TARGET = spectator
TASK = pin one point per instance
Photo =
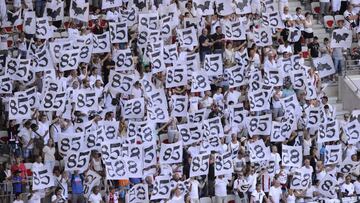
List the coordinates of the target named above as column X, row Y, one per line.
column 314, row 48
column 204, row 44
column 218, row 39
column 275, row 194
column 258, row 195
column 95, row 196
column 77, row 187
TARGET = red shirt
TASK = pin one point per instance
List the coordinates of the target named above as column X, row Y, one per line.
column 21, row 167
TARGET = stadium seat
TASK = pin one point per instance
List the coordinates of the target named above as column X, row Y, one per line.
column 3, row 136
column 230, row 199
column 329, row 22
column 205, row 200
column 315, row 8
column 338, row 18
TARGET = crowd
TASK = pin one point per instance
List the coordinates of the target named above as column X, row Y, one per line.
column 174, row 101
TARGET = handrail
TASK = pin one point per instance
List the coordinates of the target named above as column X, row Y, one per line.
column 350, row 65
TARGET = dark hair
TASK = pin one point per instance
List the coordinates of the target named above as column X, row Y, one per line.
column 298, row 8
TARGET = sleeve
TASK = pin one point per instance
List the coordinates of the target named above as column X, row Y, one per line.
column 53, row 198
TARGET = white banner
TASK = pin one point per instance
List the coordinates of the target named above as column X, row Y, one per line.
column 292, row 156
column 341, row 38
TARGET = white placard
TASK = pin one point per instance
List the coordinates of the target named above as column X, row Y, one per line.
column 101, row 43
column 341, row 38
column 139, row 193
column 171, row 153
column 324, row 65
column 200, row 82
column 333, row 154
column 79, row 10
column 259, row 125
column 77, row 160
column 42, row 177
column 224, row 164
column 199, row 165
column 179, row 105
column 176, row 76
column 258, row 151
column 292, row 156
column 118, row 32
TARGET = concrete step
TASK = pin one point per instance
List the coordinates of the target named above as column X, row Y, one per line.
column 331, row 89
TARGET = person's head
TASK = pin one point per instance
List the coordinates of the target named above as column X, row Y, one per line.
column 326, row 41
column 229, row 45
column 96, row 190
column 177, row 192
column 208, row 93
column 38, row 159
column 308, row 15
column 94, row 71
column 298, row 10
column 18, row 160
column 205, row 31
column 350, row 7
column 50, row 142
column 307, row 162
column 58, row 191
column 43, row 118
column 286, row 9
column 258, row 187
column 98, row 83
column 86, row 83
column 218, row 30
column 315, row 39
column 348, row 179
column 274, row 149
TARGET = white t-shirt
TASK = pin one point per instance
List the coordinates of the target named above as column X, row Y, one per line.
column 95, row 198
column 18, row 201
column 349, row 188
column 26, row 136
column 258, row 196
column 194, row 193
column 275, row 193
column 357, row 187
column 49, row 153
column 220, row 187
column 233, row 96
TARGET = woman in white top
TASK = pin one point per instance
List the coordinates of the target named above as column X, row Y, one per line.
column 308, row 31
column 229, row 53
column 258, row 195
column 96, row 163
column 49, row 153
column 290, row 196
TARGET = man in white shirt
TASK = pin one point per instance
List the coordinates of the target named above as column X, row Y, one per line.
column 194, row 190
column 220, row 189
column 350, row 17
column 95, row 196
column 299, row 19
column 347, row 189
column 275, row 194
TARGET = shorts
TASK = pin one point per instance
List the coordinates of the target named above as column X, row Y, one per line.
column 308, row 35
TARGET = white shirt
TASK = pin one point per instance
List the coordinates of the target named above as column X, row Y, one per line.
column 194, row 193
column 49, row 153
column 283, row 49
column 348, row 22
column 275, row 193
column 258, row 196
column 220, row 187
column 26, row 136
column 95, row 198
column 233, row 96
column 349, row 188
column 357, row 187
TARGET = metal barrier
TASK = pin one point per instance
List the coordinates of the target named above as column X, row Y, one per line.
column 352, row 67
